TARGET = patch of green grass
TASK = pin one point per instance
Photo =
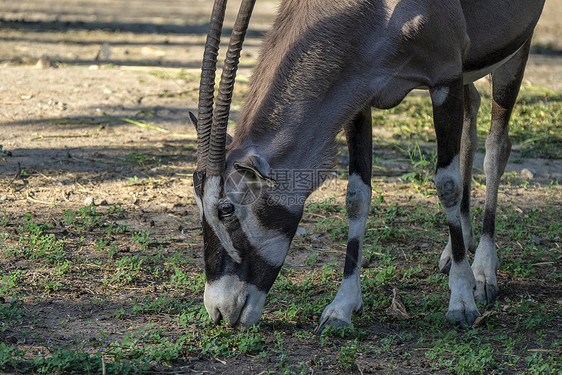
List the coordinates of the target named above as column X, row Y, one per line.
column 160, row 323
column 10, row 281
column 530, row 315
column 34, row 242
column 182, row 74
column 424, row 167
column 128, row 270
column 143, row 239
column 534, row 124
column 344, row 332
column 335, row 225
column 463, row 354
column 10, row 313
column 185, row 280
column 141, row 159
column 347, row 357
column 539, row 364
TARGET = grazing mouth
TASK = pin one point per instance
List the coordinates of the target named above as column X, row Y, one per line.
column 235, row 301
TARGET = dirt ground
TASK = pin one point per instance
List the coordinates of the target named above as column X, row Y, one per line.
column 71, row 69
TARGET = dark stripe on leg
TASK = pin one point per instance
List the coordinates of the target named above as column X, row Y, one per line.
column 489, row 223
column 351, row 261
column 457, row 243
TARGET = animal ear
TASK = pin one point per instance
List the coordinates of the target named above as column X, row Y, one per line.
column 256, row 169
column 193, row 119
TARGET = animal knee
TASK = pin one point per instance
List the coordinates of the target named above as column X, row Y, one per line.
column 497, row 154
column 449, row 184
column 358, row 197
column 356, row 203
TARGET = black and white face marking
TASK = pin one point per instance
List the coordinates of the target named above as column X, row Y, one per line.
column 245, row 246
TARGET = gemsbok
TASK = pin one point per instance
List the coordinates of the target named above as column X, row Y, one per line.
column 322, row 67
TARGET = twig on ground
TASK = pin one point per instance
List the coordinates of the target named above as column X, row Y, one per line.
column 142, row 124
column 38, row 201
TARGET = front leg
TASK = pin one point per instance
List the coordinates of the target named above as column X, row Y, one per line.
column 448, row 118
column 468, row 146
column 358, row 202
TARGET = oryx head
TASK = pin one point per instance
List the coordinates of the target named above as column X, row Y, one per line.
column 246, row 234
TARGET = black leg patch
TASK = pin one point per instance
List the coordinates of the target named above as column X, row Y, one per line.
column 457, row 243
column 351, row 257
column 489, row 223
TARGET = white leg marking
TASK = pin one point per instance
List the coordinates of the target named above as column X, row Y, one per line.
column 438, row 96
column 450, row 196
column 348, row 299
column 446, row 258
column 449, row 187
column 234, row 300
column 485, row 266
column 358, row 203
column 462, row 308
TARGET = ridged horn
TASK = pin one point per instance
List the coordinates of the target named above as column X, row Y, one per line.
column 207, row 84
column 216, row 163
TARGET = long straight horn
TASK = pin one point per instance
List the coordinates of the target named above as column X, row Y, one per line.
column 217, row 149
column 207, row 85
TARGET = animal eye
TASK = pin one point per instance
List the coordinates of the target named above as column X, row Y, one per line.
column 225, row 209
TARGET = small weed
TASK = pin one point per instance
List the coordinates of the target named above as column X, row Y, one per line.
column 140, row 159
column 4, row 220
column 128, row 269
column 538, row 365
column 344, row 332
column 195, row 284
column 143, row 239
column 112, row 251
column 10, row 312
column 10, row 282
column 101, row 244
column 466, row 354
column 311, row 260
column 348, row 355
column 116, row 210
column 141, row 181
column 49, row 285
column 424, row 167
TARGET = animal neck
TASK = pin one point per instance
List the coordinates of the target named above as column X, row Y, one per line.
column 304, row 88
